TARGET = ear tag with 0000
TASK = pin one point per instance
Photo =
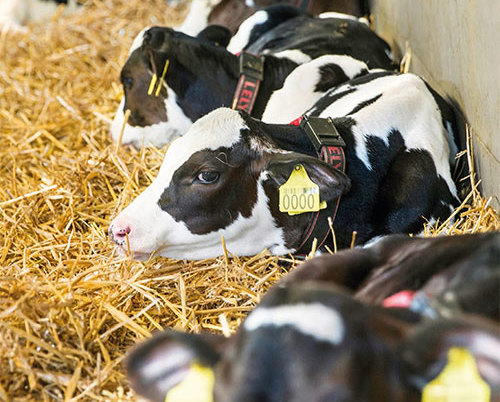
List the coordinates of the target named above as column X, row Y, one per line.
column 299, row 193
column 458, row 382
column 197, row 386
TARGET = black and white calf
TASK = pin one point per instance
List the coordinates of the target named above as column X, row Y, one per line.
column 315, row 343
column 223, row 176
column 16, row 13
column 201, row 77
column 231, row 13
column 438, row 277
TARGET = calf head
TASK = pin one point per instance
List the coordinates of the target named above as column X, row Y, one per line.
column 222, row 179
column 310, row 343
column 160, row 72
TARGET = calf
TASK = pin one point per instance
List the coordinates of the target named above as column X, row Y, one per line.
column 201, row 77
column 231, row 13
column 440, row 276
column 15, row 13
column 314, row 343
column 223, row 177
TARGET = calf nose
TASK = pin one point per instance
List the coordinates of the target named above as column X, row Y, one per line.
column 118, row 233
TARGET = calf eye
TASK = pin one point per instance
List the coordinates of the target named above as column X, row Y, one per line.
column 207, row 177
column 128, row 82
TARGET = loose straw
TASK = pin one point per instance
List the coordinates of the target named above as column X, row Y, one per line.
column 120, row 137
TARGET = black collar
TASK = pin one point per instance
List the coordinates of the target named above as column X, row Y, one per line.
column 251, row 74
column 329, row 146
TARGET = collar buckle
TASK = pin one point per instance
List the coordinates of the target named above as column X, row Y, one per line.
column 251, row 65
column 321, row 132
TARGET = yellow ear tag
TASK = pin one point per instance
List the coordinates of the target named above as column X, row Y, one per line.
column 458, row 382
column 162, row 78
column 152, row 84
column 299, row 193
column 197, row 386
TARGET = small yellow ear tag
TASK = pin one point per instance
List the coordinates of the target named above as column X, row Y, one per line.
column 299, row 193
column 162, row 78
column 458, row 382
column 152, row 84
column 196, row 387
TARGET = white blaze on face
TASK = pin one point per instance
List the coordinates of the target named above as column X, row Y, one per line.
column 299, row 93
column 154, row 230
column 241, row 38
column 315, row 320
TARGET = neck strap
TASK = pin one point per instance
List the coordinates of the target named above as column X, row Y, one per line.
column 251, row 74
column 329, row 146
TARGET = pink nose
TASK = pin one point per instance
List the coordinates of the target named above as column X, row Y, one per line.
column 119, row 233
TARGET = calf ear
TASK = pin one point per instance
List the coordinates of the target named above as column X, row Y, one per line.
column 332, row 182
column 158, row 38
column 162, row 363
column 425, row 352
column 216, row 34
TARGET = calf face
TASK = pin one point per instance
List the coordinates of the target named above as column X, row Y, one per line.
column 315, row 343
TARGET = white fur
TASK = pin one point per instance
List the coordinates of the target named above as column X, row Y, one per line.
column 153, row 229
column 333, row 14
column 14, row 13
column 158, row 134
column 294, row 55
column 315, row 320
column 406, row 105
column 197, row 18
column 242, row 36
column 137, row 43
column 298, row 92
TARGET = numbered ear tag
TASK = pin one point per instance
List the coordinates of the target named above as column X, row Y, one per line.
column 197, row 386
column 459, row 381
column 299, row 193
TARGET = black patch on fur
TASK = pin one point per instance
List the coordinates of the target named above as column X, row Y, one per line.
column 363, row 104
column 215, row 34
column 207, row 208
column 330, row 76
column 327, row 99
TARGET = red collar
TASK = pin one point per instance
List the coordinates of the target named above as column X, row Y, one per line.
column 251, row 74
column 330, row 148
column 401, row 299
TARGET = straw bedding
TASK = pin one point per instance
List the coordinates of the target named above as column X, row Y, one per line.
column 69, row 306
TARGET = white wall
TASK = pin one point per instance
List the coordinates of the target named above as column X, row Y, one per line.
column 456, row 48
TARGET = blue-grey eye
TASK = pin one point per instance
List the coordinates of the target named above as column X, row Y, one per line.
column 128, row 82
column 208, row 177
